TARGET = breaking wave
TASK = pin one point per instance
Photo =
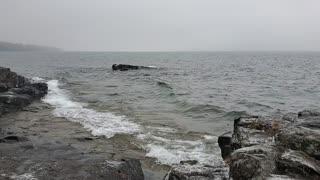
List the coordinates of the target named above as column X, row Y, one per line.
column 99, row 123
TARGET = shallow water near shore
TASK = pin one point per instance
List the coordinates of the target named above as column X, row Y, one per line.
column 177, row 110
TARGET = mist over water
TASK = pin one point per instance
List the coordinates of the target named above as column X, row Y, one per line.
column 174, row 111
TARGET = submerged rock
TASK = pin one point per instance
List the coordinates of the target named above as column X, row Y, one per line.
column 126, row 67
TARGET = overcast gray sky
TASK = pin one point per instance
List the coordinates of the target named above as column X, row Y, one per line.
column 163, row 25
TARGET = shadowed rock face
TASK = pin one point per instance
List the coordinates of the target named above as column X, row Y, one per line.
column 285, row 147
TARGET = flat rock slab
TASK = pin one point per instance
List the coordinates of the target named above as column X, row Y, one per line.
column 192, row 171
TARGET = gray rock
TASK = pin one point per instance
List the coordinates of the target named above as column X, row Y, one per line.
column 298, row 163
column 307, row 113
column 250, row 131
column 17, row 92
column 11, row 79
column 304, row 137
column 186, row 171
column 255, row 162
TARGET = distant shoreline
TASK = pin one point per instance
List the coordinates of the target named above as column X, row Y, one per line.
column 8, row 46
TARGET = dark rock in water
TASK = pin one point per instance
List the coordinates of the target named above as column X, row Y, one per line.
column 36, row 90
column 163, row 84
column 307, row 113
column 126, row 67
column 225, row 144
column 299, row 163
column 255, row 162
column 17, row 92
column 3, row 87
column 186, row 171
column 11, row 79
column 42, row 87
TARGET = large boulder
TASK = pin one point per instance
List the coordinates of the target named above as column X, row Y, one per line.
column 297, row 163
column 255, row 162
column 278, row 147
column 250, row 131
column 10, row 79
column 17, row 91
column 304, row 135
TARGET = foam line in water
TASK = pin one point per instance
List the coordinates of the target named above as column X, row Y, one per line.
column 170, row 152
column 99, row 123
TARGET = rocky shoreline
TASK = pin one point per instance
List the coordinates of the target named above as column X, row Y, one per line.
column 35, row 148
column 281, row 147
column 41, row 147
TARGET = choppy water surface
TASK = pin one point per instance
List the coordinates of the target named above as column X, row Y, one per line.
column 176, row 111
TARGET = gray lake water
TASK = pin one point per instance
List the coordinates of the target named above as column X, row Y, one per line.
column 180, row 118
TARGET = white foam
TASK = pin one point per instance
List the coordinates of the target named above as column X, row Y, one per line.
column 26, row 176
column 175, row 151
column 170, row 152
column 37, row 79
column 99, row 123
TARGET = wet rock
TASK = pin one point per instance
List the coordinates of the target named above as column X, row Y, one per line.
column 42, row 87
column 303, row 137
column 123, row 170
column 3, row 87
column 10, row 79
column 253, row 162
column 250, row 131
column 307, row 113
column 17, row 92
column 187, row 171
column 278, row 147
column 36, row 91
column 11, row 102
column 126, row 67
column 298, row 163
column 225, row 144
